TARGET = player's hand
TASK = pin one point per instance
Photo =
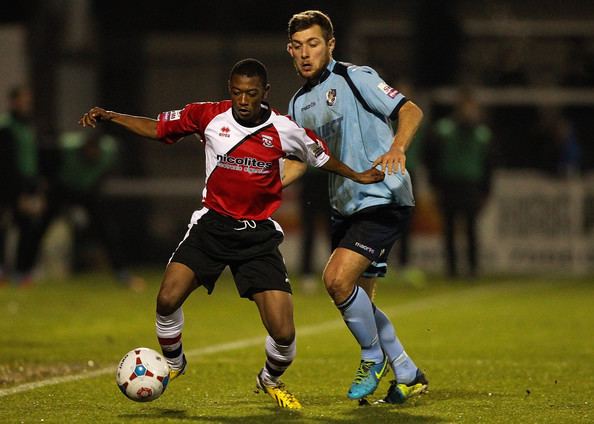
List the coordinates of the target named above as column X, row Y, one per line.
column 94, row 115
column 370, row 176
column 392, row 161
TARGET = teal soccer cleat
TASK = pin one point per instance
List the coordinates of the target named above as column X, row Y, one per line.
column 367, row 378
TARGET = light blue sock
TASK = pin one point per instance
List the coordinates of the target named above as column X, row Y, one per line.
column 404, row 368
column 357, row 312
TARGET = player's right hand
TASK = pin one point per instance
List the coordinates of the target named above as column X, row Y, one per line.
column 90, row 118
column 370, row 176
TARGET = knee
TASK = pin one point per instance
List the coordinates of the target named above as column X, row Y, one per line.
column 337, row 287
column 283, row 333
column 284, row 339
column 167, row 302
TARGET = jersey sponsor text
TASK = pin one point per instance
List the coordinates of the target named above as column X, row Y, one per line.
column 245, row 164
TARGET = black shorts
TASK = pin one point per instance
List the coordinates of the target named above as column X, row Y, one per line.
column 371, row 232
column 249, row 248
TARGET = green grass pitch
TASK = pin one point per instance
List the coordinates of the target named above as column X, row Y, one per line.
column 505, row 350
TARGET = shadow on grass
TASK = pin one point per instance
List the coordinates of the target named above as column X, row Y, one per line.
column 449, row 395
column 368, row 414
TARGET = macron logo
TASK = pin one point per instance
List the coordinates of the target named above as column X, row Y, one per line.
column 308, row 106
column 366, row 248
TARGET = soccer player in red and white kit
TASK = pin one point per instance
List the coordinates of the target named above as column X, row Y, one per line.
column 245, row 141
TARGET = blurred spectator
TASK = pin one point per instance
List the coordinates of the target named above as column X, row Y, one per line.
column 460, row 168
column 23, row 193
column 558, row 144
column 315, row 214
column 86, row 159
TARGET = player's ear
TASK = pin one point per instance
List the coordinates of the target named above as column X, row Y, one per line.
column 266, row 91
column 331, row 45
column 290, row 49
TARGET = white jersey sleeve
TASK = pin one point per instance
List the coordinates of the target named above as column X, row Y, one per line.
column 302, row 143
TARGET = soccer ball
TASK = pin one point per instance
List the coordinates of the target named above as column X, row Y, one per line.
column 142, row 375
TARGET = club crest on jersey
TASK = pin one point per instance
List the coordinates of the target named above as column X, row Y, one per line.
column 331, row 97
column 225, row 132
column 391, row 92
column 267, row 141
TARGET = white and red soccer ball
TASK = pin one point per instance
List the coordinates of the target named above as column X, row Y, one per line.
column 142, row 375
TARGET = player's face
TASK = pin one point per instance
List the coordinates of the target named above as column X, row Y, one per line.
column 310, row 52
column 247, row 94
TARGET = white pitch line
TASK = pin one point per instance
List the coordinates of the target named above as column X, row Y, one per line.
column 414, row 306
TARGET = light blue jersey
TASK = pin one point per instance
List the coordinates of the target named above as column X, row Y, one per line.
column 351, row 109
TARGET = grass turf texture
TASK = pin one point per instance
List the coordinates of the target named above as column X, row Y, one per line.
column 498, row 350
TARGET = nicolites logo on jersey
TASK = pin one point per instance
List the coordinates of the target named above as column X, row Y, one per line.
column 246, row 164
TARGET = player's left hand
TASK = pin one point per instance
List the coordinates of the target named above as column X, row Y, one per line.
column 392, row 161
column 93, row 116
column 370, row 176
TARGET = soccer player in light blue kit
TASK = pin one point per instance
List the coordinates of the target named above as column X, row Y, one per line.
column 351, row 108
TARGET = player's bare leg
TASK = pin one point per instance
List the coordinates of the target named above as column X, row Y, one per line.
column 178, row 282
column 276, row 312
column 340, row 277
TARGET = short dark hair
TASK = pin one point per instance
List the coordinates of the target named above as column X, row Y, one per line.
column 250, row 68
column 304, row 20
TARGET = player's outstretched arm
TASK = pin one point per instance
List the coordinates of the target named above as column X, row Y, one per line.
column 409, row 119
column 145, row 127
column 370, row 176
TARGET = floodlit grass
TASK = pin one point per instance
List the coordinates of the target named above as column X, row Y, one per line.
column 495, row 351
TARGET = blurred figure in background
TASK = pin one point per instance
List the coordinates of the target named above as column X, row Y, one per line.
column 315, row 214
column 86, row 159
column 23, row 192
column 460, row 163
column 557, row 143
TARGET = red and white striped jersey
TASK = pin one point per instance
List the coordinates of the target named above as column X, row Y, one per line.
column 243, row 175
